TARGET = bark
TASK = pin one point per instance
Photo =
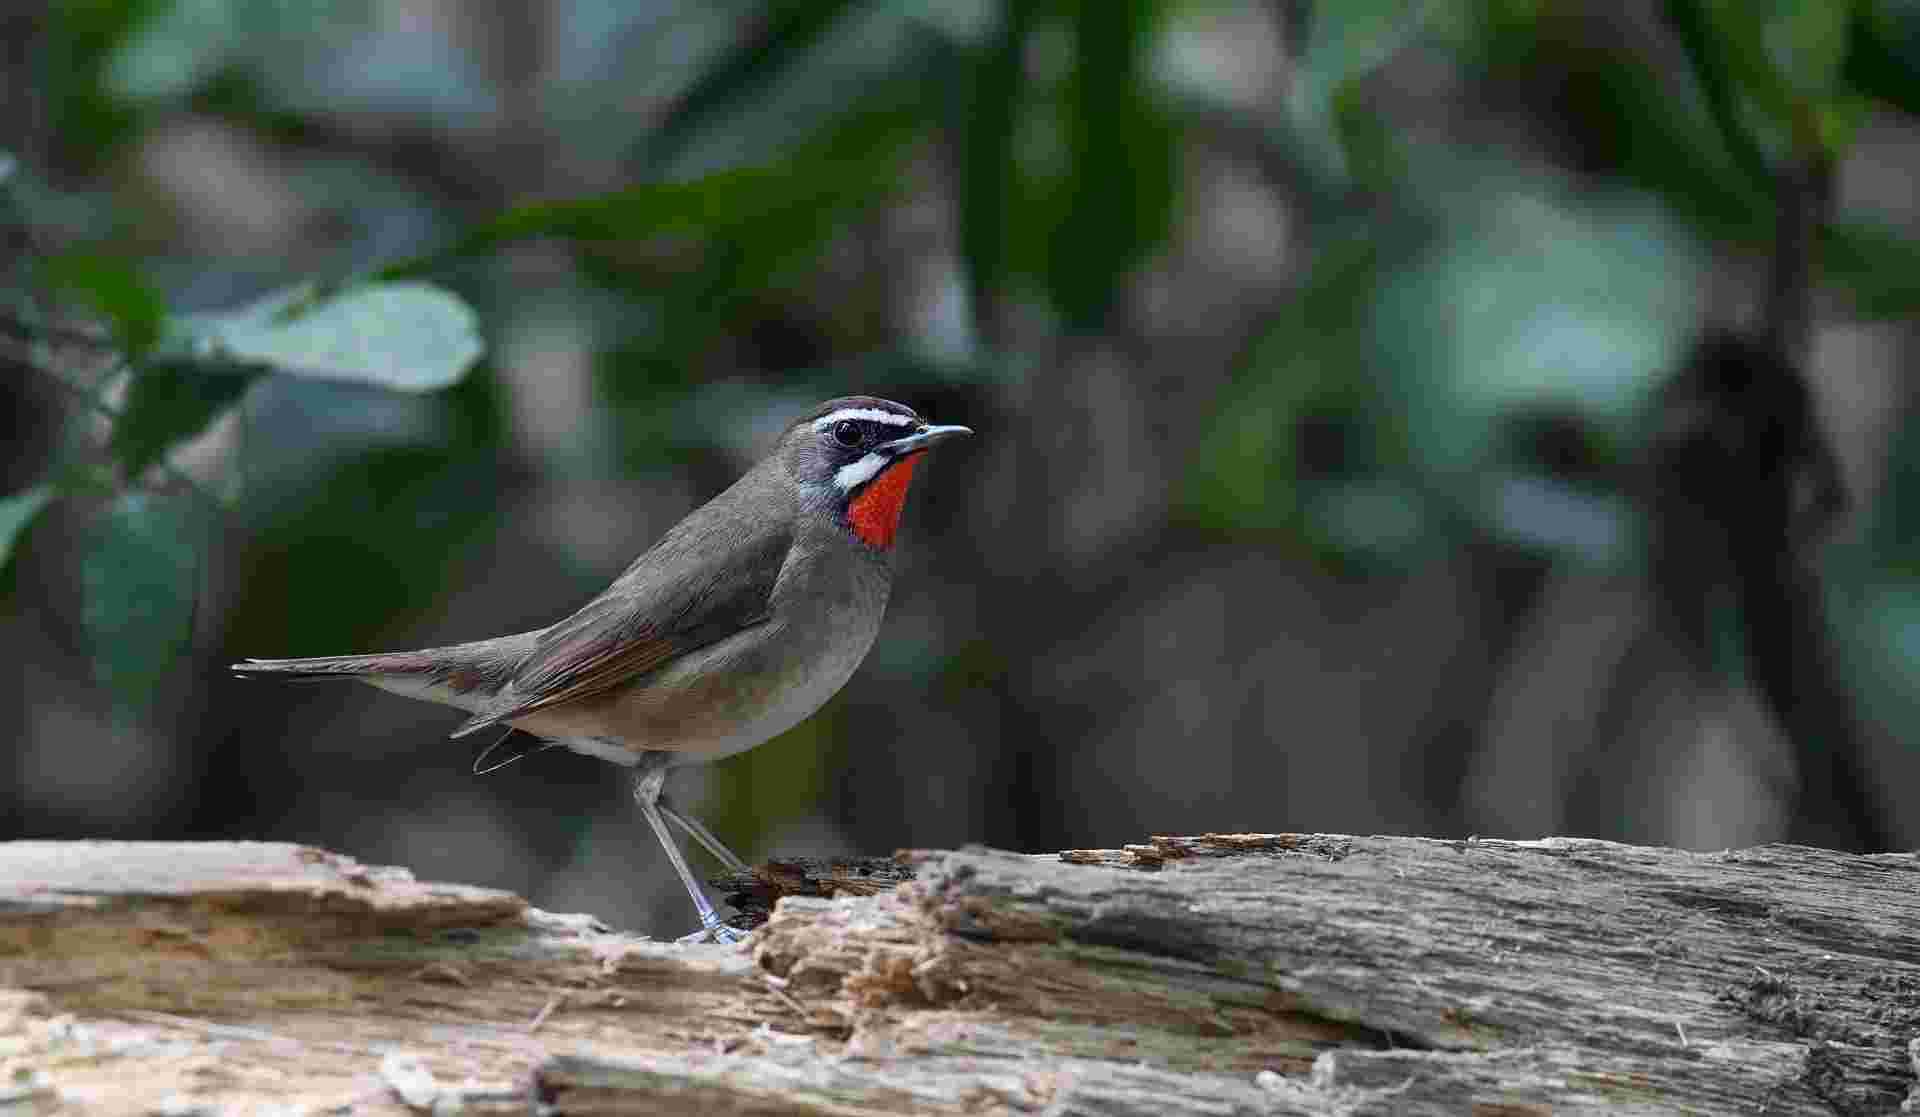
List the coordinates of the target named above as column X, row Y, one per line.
column 1228, row 974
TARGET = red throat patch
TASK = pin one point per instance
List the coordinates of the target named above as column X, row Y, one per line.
column 874, row 511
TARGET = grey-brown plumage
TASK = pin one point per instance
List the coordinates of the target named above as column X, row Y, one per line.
column 740, row 622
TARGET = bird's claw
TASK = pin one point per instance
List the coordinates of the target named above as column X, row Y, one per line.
column 718, row 932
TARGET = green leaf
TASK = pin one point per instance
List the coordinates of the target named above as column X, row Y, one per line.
column 408, row 336
column 850, row 164
column 1785, row 60
column 1875, row 62
column 71, row 49
column 16, row 515
column 1346, row 41
column 780, row 36
column 640, row 211
column 987, row 137
column 1808, row 40
column 1118, row 198
column 1879, row 268
column 138, row 575
column 111, row 286
column 1701, row 37
column 177, row 51
column 1533, row 306
column 1672, row 152
column 1246, row 469
column 1366, row 139
column 757, row 219
column 169, row 402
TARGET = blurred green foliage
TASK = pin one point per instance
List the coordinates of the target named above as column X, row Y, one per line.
column 139, row 571
column 1448, row 299
column 113, row 288
column 139, row 574
column 1474, row 292
column 168, row 403
column 17, row 513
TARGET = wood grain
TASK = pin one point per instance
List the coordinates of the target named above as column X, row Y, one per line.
column 1224, row 974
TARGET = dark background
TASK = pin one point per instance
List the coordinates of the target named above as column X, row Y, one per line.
column 1392, row 418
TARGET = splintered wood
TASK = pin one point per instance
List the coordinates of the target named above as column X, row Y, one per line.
column 1224, row 974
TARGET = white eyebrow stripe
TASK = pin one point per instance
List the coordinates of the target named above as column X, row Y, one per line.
column 870, row 414
column 857, row 473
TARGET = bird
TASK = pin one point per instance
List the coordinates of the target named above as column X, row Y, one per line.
column 735, row 626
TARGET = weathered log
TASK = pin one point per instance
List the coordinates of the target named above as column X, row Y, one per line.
column 1257, row 974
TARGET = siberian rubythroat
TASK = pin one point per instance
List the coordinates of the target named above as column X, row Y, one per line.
column 739, row 623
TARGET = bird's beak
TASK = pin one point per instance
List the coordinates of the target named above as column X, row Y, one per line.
column 921, row 439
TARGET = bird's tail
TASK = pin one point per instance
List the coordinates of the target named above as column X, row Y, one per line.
column 453, row 674
column 318, row 668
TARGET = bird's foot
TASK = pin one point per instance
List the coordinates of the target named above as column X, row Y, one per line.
column 715, row 932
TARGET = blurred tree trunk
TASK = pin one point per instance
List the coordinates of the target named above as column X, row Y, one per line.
column 1226, row 974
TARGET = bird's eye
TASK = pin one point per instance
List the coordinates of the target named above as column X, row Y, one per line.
column 847, row 432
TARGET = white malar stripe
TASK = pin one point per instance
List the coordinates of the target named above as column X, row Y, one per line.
column 855, row 474
column 870, row 414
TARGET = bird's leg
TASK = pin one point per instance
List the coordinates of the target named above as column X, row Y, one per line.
column 646, row 793
column 708, row 840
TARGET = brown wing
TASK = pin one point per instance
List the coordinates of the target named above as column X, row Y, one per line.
column 709, row 578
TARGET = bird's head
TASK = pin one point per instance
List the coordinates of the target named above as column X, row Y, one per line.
column 853, row 458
